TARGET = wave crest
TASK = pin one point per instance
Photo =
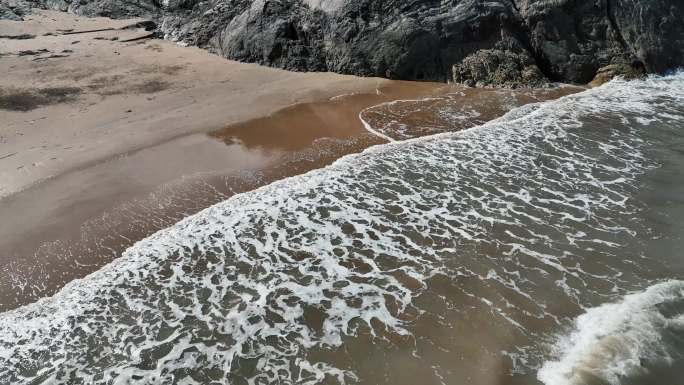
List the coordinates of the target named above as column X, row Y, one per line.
column 618, row 340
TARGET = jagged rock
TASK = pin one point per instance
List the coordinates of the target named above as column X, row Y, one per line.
column 7, row 13
column 507, row 65
column 627, row 71
column 115, row 9
column 652, row 31
column 14, row 9
column 556, row 40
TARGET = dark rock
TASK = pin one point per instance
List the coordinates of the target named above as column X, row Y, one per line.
column 14, row 9
column 506, row 65
column 30, row 52
column 23, row 36
column 143, row 37
column 147, row 25
column 652, row 31
column 115, row 9
column 626, row 71
column 495, row 42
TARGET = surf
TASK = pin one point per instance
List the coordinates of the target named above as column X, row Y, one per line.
column 518, row 225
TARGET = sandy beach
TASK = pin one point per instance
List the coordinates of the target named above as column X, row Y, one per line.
column 79, row 99
column 171, row 213
column 104, row 141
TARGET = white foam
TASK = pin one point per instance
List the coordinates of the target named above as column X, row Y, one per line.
column 612, row 341
column 370, row 128
column 230, row 287
column 387, row 119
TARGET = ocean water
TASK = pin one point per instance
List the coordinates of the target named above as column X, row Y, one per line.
column 544, row 247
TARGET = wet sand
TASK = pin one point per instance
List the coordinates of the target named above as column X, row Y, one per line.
column 103, row 142
column 159, row 132
column 72, row 101
column 467, row 257
column 69, row 226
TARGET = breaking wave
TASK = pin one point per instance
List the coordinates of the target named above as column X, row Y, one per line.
column 619, row 340
column 401, row 252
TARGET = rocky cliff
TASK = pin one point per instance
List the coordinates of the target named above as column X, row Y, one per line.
column 477, row 42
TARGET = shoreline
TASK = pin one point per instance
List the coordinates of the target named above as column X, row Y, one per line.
column 376, row 248
column 91, row 228
column 138, row 170
column 138, row 175
column 135, row 195
column 108, row 97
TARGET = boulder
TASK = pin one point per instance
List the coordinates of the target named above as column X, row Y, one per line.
column 624, row 70
column 14, row 9
column 506, row 65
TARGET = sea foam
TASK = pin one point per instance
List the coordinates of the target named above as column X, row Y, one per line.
column 613, row 341
column 527, row 215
